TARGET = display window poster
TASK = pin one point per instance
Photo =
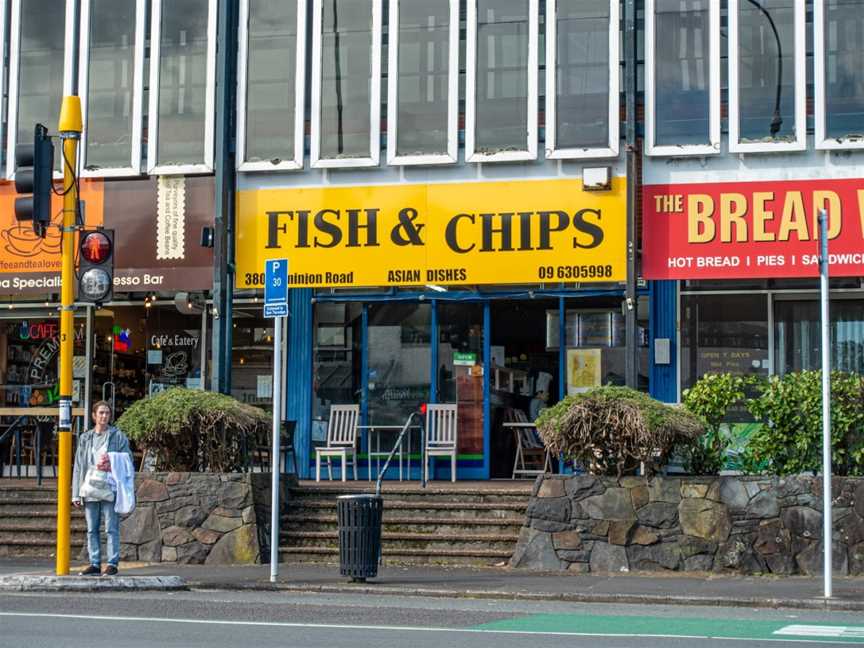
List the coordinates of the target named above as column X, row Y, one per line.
column 584, row 370
column 751, row 230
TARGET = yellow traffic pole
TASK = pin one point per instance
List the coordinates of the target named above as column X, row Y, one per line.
column 70, row 132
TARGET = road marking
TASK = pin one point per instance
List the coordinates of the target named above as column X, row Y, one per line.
column 487, row 629
column 845, row 632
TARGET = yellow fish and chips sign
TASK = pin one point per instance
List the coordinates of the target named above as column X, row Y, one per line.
column 444, row 234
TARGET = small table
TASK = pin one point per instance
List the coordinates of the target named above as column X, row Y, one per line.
column 378, row 453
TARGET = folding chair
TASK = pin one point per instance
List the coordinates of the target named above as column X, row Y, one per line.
column 529, row 448
column 341, row 440
column 441, row 436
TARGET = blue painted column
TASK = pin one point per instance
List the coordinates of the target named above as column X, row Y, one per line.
column 487, row 385
column 299, row 374
column 663, row 378
column 562, row 349
column 433, row 353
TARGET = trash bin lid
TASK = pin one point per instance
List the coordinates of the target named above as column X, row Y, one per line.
column 364, row 496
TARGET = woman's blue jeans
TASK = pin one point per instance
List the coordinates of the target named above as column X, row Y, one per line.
column 95, row 512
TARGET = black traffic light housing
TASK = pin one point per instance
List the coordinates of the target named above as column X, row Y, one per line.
column 96, row 266
column 34, row 169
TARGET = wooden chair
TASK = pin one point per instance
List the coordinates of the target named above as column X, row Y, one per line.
column 441, row 436
column 341, row 440
column 264, row 449
column 530, row 448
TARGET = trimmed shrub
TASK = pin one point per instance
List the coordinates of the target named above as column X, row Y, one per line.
column 190, row 430
column 789, row 438
column 612, row 430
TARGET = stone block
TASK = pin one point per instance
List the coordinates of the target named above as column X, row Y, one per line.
column 691, row 546
column 248, row 515
column 802, row 521
column 780, row 564
column 556, row 509
column 579, row 567
column 567, row 539
column 614, row 504
column 699, row 563
column 150, row 490
column 573, row 555
column 226, row 511
column 608, row 558
column 660, row 515
column 174, row 536
column 772, row 539
column 810, row 561
column 534, row 551
column 639, row 496
column 169, row 554
column 551, row 487
column 150, row 551
column 601, row 528
column 694, row 490
column 733, row 493
column 141, row 526
column 643, row 536
column 763, row 505
column 128, row 552
column 221, row 523
column 664, row 489
column 193, row 553
column 705, row 519
column 852, row 529
column 174, row 478
column 657, row 557
column 859, row 499
column 239, row 547
column 190, row 516
column 856, row 560
column 206, row 536
column 236, row 495
column 619, row 531
column 791, row 486
column 581, row 486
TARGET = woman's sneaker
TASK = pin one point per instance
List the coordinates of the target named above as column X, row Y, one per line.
column 110, row 570
column 92, row 570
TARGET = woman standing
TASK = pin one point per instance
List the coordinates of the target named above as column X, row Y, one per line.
column 93, row 448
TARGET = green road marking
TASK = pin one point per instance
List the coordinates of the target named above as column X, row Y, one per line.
column 675, row 627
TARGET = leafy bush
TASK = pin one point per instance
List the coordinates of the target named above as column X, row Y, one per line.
column 611, row 430
column 194, row 430
column 710, row 399
column 790, row 413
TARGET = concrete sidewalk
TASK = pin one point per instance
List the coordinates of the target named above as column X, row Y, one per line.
column 642, row 588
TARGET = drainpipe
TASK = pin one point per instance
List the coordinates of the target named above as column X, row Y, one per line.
column 225, row 188
column 631, row 369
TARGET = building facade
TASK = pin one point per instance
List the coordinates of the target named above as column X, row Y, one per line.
column 479, row 200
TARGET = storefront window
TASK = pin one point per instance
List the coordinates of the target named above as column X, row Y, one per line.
column 723, row 334
column 798, row 335
column 336, row 361
column 252, row 357
column 842, row 69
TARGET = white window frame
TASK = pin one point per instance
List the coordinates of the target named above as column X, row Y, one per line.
column 552, row 150
column 820, row 108
column 14, row 81
column 206, row 165
column 452, row 154
column 134, row 167
column 530, row 151
column 800, row 59
column 317, row 162
column 680, row 150
column 296, row 160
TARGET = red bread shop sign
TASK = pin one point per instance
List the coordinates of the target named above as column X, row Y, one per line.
column 751, row 229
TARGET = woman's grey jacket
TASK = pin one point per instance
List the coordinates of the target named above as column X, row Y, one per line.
column 117, row 442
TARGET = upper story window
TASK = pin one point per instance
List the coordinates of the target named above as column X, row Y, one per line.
column 346, row 83
column 111, row 81
column 271, row 75
column 767, row 99
column 582, row 102
column 182, row 83
column 39, row 71
column 501, row 80
column 838, row 29
column 682, row 87
column 423, row 82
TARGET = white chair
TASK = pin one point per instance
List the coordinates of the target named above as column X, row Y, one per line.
column 529, row 446
column 441, row 437
column 341, row 440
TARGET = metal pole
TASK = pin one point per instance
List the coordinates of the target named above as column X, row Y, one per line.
column 277, row 424
column 70, row 128
column 827, row 517
column 631, row 370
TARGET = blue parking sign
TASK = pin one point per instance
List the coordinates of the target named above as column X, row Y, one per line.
column 276, row 281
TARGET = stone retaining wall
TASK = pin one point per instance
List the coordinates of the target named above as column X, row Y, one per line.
column 198, row 518
column 723, row 524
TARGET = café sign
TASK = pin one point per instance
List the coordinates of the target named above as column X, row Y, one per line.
column 448, row 234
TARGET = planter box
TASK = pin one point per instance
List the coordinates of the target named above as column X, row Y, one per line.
column 742, row 525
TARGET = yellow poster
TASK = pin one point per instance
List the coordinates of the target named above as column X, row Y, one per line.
column 583, row 369
column 537, row 231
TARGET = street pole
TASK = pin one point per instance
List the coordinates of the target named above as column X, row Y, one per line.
column 274, row 454
column 827, row 516
column 70, row 132
column 631, row 368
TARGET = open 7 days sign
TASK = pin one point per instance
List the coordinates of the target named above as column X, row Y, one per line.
column 406, row 235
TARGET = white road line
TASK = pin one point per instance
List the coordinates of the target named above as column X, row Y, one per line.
column 386, row 628
column 846, row 632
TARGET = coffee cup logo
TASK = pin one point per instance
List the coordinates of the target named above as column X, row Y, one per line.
column 22, row 241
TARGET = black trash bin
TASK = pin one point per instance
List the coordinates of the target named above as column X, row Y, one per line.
column 359, row 535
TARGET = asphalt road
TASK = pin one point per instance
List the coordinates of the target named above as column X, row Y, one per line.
column 247, row 619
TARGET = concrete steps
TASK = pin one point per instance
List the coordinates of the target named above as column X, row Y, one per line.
column 28, row 521
column 439, row 525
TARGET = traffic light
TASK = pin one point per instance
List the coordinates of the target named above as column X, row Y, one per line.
column 34, row 168
column 96, row 266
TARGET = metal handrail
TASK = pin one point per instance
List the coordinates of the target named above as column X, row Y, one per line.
column 396, row 446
